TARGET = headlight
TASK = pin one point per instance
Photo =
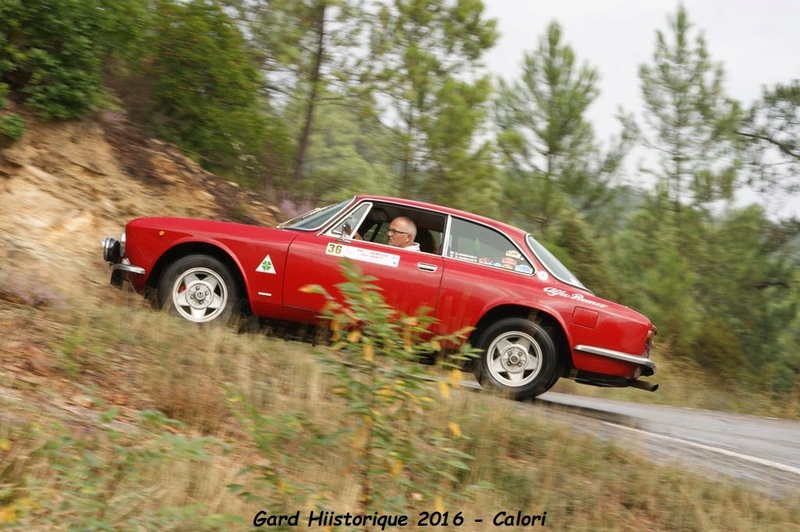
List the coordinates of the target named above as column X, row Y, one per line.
column 111, row 253
column 122, row 244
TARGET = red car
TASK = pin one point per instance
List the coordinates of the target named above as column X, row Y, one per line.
column 533, row 320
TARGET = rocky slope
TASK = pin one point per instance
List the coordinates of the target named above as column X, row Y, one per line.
column 64, row 186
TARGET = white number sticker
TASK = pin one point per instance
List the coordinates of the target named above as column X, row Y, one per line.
column 364, row 255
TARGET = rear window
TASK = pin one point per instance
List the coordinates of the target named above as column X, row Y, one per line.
column 553, row 265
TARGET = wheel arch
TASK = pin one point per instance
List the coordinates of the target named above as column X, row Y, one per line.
column 543, row 318
column 199, row 248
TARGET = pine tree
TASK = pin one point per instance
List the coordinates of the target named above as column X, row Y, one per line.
column 772, row 134
column 309, row 56
column 553, row 163
column 427, row 54
column 691, row 122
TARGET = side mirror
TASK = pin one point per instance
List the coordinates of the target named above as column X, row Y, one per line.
column 346, row 231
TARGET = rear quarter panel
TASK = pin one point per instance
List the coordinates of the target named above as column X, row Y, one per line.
column 470, row 291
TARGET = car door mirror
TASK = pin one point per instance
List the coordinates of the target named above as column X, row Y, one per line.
column 345, row 232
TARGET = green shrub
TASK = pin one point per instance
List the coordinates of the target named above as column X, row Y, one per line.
column 204, row 88
column 12, row 126
column 50, row 54
column 375, row 361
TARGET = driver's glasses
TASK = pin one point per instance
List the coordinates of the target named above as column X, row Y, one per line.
column 396, row 232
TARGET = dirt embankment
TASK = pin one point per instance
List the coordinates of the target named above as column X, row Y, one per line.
column 64, row 186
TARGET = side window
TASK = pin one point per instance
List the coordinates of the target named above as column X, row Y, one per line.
column 375, row 232
column 370, row 222
column 429, row 226
column 473, row 242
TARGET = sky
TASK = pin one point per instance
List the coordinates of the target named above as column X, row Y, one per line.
column 757, row 42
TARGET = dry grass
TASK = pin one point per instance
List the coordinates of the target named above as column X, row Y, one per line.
column 80, row 378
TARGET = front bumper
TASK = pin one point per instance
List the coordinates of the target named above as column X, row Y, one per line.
column 112, row 254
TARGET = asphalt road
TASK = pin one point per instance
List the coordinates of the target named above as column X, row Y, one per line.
column 763, row 453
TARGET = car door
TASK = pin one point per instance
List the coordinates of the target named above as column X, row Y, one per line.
column 409, row 280
column 484, row 268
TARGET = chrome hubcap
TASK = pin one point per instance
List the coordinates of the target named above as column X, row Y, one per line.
column 199, row 295
column 514, row 358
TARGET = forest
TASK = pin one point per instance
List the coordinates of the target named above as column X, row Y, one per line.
column 311, row 101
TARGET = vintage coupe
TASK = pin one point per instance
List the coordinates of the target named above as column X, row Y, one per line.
column 533, row 320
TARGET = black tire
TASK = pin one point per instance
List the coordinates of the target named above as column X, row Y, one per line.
column 200, row 289
column 517, row 357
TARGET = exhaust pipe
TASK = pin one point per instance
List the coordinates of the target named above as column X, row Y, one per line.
column 644, row 385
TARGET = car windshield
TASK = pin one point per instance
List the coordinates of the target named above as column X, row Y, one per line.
column 315, row 219
column 552, row 264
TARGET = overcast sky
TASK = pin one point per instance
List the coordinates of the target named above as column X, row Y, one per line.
column 758, row 43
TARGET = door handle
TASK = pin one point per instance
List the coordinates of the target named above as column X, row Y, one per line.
column 425, row 267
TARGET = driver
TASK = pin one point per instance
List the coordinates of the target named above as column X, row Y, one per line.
column 402, row 232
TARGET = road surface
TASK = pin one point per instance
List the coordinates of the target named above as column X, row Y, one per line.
column 761, row 452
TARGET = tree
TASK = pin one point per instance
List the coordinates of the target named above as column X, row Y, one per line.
column 772, row 131
column 350, row 155
column 657, row 276
column 426, row 54
column 552, row 160
column 309, row 55
column 51, row 55
column 204, row 90
column 691, row 121
column 741, row 275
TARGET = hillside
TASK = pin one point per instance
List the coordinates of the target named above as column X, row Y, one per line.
column 65, row 186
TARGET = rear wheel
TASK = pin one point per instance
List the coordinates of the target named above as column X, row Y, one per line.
column 518, row 357
column 200, row 289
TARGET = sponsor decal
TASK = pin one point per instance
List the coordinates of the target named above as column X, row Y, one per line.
column 523, row 268
column 558, row 292
column 466, row 257
column 508, row 261
column 364, row 255
column 266, row 266
column 485, row 261
column 513, row 253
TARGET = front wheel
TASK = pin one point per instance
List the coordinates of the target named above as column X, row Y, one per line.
column 200, row 289
column 518, row 357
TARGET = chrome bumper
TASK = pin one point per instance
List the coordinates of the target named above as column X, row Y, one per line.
column 648, row 366
column 112, row 254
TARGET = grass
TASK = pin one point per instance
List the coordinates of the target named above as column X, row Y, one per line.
column 113, row 416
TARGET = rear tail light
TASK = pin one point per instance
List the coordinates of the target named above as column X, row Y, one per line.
column 648, row 342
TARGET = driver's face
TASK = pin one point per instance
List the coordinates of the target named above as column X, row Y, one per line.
column 399, row 235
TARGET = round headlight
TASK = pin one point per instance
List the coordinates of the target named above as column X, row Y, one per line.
column 111, row 249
